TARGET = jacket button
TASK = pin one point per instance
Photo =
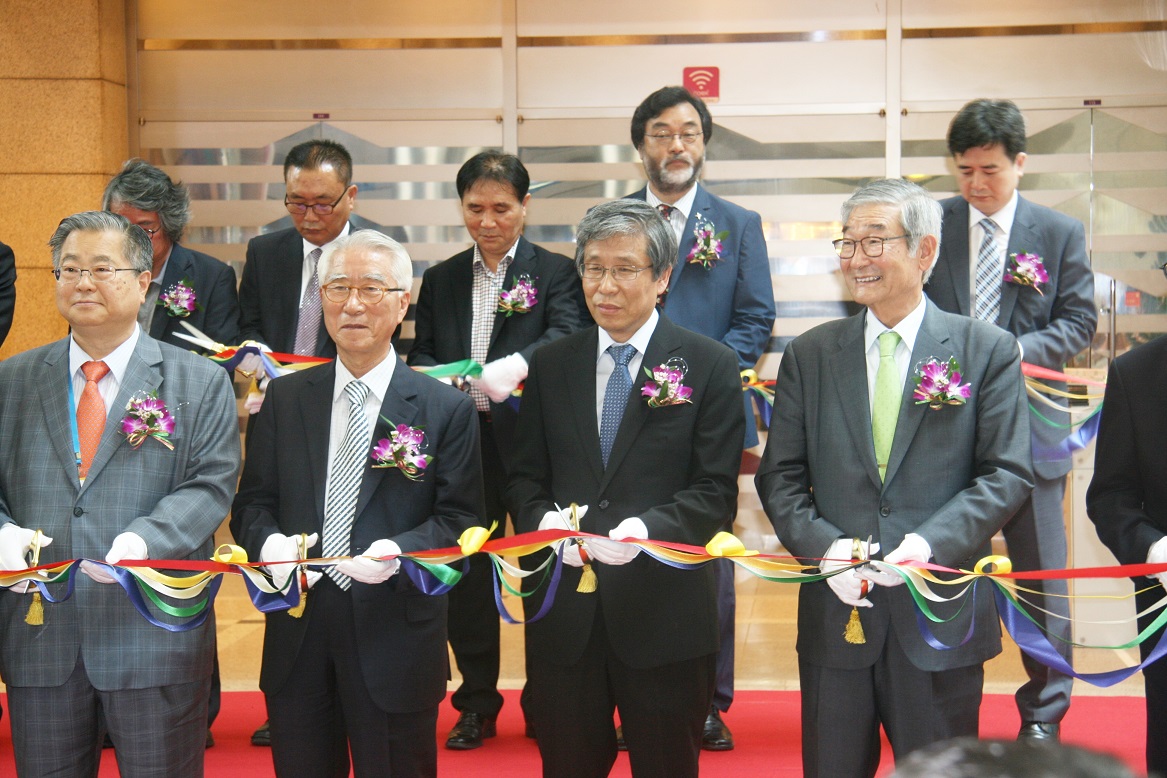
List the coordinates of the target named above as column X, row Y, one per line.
column 885, row 511
column 78, row 512
column 603, row 505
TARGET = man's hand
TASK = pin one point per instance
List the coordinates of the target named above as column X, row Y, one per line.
column 612, row 553
column 15, row 543
column 128, row 545
column 847, row 586
column 913, row 548
column 562, row 520
column 501, row 377
column 281, row 548
column 1157, row 555
column 369, row 568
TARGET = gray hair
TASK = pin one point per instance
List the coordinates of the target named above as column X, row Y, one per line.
column 136, row 246
column 920, row 214
column 628, row 217
column 398, row 262
column 141, row 185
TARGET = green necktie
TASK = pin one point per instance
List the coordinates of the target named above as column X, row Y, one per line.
column 886, row 409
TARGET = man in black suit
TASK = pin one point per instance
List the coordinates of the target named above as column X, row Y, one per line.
column 983, row 230
column 645, row 641
column 1127, row 501
column 365, row 668
column 7, row 290
column 468, row 309
column 277, row 296
column 188, row 285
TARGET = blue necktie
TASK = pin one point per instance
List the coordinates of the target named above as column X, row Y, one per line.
column 615, row 397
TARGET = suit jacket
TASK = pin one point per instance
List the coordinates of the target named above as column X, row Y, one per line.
column 401, row 632
column 444, row 314
column 7, row 290
column 214, row 285
column 954, row 476
column 654, row 614
column 1051, row 327
column 269, row 294
column 173, row 499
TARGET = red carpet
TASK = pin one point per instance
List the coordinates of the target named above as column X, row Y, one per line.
column 765, row 725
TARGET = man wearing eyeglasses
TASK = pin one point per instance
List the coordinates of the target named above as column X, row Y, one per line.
column 150, row 199
column 643, row 640
column 866, row 460
column 720, row 287
column 363, row 670
column 93, row 663
column 985, row 228
column 279, row 296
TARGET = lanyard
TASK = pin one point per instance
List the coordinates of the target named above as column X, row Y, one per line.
column 73, row 425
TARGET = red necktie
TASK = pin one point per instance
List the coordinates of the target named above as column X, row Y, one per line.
column 90, row 414
column 666, row 212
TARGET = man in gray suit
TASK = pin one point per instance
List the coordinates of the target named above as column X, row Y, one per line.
column 855, row 464
column 984, row 228
column 106, row 497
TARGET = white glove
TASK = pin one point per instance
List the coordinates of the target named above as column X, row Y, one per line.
column 501, row 377
column 562, row 520
column 913, row 548
column 15, row 543
column 280, row 548
column 367, row 568
column 1156, row 555
column 612, row 553
column 847, row 586
column 128, row 545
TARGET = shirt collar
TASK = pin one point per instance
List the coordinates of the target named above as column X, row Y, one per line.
column 162, row 270
column 503, row 263
column 907, row 329
column 1002, row 218
column 117, row 361
column 684, row 205
column 639, row 339
column 310, row 247
column 376, row 379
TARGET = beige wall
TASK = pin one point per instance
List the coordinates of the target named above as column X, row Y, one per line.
column 63, row 88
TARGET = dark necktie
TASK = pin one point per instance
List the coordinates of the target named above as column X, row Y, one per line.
column 666, row 212
column 615, row 397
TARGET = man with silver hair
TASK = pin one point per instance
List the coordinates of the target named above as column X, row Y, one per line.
column 900, row 435
column 602, row 409
column 363, row 668
column 186, row 285
column 82, row 488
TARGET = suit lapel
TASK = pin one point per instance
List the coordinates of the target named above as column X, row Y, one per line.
column 701, row 207
column 54, row 396
column 931, row 341
column 523, row 264
column 178, row 267
column 957, row 252
column 580, row 375
column 316, row 412
column 143, row 376
column 1022, row 238
column 849, row 375
column 398, row 407
column 461, row 290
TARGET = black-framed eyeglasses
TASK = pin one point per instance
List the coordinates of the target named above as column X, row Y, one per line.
column 368, row 294
column 1163, row 267
column 321, row 208
column 101, row 274
column 688, row 138
column 150, row 232
column 872, row 247
column 622, row 275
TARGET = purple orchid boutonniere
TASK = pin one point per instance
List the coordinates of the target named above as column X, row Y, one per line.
column 147, row 417
column 664, row 387
column 179, row 300
column 1027, row 270
column 938, row 384
column 707, row 250
column 520, row 298
column 403, row 450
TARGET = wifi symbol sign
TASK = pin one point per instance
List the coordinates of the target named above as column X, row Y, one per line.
column 703, row 82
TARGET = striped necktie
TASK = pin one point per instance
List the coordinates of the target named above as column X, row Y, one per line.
column 989, row 275
column 344, row 483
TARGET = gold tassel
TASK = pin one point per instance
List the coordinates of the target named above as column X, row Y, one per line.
column 854, row 631
column 297, row 610
column 36, row 611
column 587, row 581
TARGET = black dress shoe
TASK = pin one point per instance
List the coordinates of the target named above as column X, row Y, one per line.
column 1039, row 731
column 620, row 744
column 471, row 729
column 262, row 736
column 716, row 736
column 210, row 740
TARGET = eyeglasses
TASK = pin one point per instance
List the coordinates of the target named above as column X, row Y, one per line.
column 150, row 232
column 621, row 275
column 321, row 208
column 688, row 138
column 872, row 247
column 369, row 295
column 68, row 276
